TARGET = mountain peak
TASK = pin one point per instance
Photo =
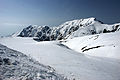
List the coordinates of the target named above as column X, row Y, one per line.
column 69, row 29
column 90, row 18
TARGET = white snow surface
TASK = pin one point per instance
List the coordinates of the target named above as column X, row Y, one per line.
column 108, row 45
column 15, row 65
column 67, row 61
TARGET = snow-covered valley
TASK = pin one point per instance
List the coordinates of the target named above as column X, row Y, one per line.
column 66, row 61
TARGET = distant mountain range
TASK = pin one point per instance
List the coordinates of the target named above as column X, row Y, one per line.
column 69, row 29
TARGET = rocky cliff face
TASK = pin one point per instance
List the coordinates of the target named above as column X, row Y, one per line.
column 69, row 29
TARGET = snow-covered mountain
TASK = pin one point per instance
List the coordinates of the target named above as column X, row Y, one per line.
column 69, row 29
column 99, row 45
column 85, row 49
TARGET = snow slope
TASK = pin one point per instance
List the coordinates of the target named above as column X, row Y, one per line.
column 17, row 66
column 66, row 61
column 69, row 29
column 100, row 45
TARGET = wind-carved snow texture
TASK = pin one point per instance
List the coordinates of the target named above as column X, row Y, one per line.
column 17, row 66
column 69, row 29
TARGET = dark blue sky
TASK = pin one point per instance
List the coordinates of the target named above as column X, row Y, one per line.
column 16, row 14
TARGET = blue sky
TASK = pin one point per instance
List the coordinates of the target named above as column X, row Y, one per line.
column 17, row 14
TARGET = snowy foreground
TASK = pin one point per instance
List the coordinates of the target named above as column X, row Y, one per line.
column 17, row 66
column 67, row 58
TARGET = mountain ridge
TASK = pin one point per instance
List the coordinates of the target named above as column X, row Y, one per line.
column 69, row 29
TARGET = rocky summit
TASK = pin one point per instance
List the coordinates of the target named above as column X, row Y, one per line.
column 69, row 29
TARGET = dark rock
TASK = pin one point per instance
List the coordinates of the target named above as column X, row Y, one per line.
column 7, row 61
column 1, row 61
column 15, row 63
